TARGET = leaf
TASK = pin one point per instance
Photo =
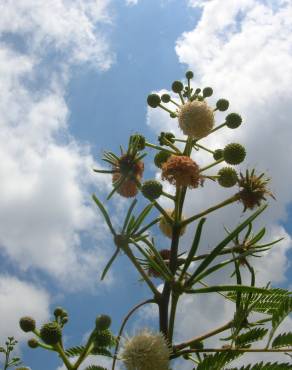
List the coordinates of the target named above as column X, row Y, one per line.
column 206, row 262
column 141, row 218
column 217, row 361
column 104, row 212
column 74, row 351
column 267, row 366
column 283, row 340
column 101, row 351
column 95, row 367
column 279, row 315
column 129, row 214
column 108, row 265
column 250, row 336
column 231, row 288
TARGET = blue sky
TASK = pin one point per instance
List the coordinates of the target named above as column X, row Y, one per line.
column 74, row 82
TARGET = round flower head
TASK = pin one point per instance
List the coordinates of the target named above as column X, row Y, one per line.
column 151, row 189
column 51, row 333
column 32, row 343
column 218, row 154
column 146, row 351
column 227, row 177
column 160, row 158
column 181, row 171
column 234, row 153
column 153, row 100
column 196, row 119
column 165, row 255
column 103, row 322
column 27, row 324
column 128, row 166
column 128, row 188
column 165, row 228
column 233, row 120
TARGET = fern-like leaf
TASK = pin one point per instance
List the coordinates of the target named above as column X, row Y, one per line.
column 218, row 360
column 267, row 366
column 250, row 336
column 74, row 351
column 101, row 351
column 95, row 367
column 279, row 315
column 283, row 340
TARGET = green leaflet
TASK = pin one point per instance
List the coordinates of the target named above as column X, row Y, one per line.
column 74, row 351
column 250, row 336
column 279, row 315
column 218, row 360
column 283, row 340
column 267, row 366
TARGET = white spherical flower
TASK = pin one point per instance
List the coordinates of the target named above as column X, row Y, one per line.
column 196, row 119
column 146, row 351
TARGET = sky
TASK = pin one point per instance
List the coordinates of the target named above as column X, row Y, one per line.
column 74, row 79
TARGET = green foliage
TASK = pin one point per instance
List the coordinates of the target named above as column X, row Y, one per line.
column 267, row 366
column 95, row 367
column 74, row 351
column 283, row 340
column 217, row 361
column 250, row 336
column 280, row 314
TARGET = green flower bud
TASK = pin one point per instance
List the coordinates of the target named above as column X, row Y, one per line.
column 141, row 141
column 160, row 158
column 234, row 153
column 64, row 313
column 197, row 91
column 177, row 86
column 32, row 343
column 27, row 324
column 172, row 115
column 207, row 91
column 233, row 120
column 166, row 135
column 153, row 100
column 102, row 322
column 58, row 311
column 165, row 98
column 227, row 177
column 103, row 338
column 51, row 333
column 222, row 105
column 218, row 154
column 64, row 320
column 151, row 189
column 189, row 75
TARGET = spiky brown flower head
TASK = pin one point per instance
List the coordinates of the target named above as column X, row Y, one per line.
column 165, row 255
column 132, row 169
column 253, row 189
column 151, row 189
column 166, row 228
column 146, row 351
column 181, row 171
column 227, row 177
column 51, row 333
column 160, row 158
column 27, row 324
column 196, row 119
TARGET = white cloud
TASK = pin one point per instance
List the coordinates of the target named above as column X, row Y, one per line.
column 131, row 2
column 18, row 299
column 46, row 174
column 244, row 51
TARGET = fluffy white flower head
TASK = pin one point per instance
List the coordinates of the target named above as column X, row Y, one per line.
column 146, row 351
column 196, row 119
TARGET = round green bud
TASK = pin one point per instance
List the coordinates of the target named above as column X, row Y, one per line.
column 233, row 120
column 172, row 115
column 166, row 135
column 103, row 338
column 103, row 322
column 51, row 333
column 160, row 158
column 153, row 100
column 218, row 154
column 151, row 189
column 234, row 153
column 64, row 314
column 58, row 311
column 165, row 98
column 64, row 320
column 141, row 141
column 197, row 91
column 189, row 75
column 32, row 343
column 177, row 86
column 222, row 105
column 207, row 91
column 227, row 177
column 27, row 324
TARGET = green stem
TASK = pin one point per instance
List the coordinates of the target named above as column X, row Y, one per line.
column 160, row 148
column 174, row 301
column 230, row 200
column 211, row 165
column 85, row 352
column 129, row 314
column 204, row 148
column 63, row 356
column 146, row 227
column 172, row 197
column 166, row 109
column 175, row 103
column 181, row 98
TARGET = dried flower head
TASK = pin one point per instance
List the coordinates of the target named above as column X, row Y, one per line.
column 196, row 119
column 128, row 165
column 253, row 189
column 128, row 188
column 181, row 171
column 146, row 351
column 166, row 228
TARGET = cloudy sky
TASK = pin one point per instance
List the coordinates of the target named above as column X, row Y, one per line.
column 74, row 77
